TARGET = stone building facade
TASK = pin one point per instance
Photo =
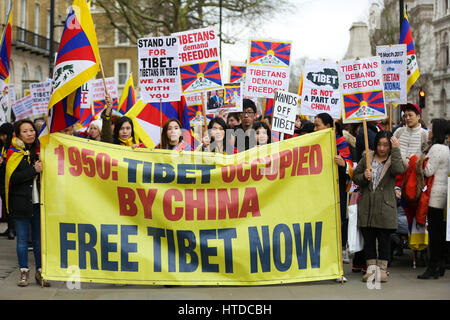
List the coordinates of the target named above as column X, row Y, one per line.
column 430, row 26
column 30, row 61
column 441, row 74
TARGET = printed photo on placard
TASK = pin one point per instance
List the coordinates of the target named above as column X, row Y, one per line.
column 214, row 100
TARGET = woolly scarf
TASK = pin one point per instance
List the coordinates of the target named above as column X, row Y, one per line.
column 14, row 156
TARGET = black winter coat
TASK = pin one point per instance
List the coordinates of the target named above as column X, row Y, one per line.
column 21, row 188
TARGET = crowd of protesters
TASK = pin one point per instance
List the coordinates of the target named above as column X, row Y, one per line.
column 381, row 187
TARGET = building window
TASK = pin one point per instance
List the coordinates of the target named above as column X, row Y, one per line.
column 121, row 38
column 121, row 71
column 38, row 74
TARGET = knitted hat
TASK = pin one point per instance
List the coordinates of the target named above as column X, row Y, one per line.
column 98, row 123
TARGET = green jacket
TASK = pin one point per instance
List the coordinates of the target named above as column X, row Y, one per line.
column 378, row 208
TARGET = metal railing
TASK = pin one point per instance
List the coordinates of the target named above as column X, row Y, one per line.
column 28, row 40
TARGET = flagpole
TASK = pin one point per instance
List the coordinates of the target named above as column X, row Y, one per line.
column 160, row 114
column 264, row 108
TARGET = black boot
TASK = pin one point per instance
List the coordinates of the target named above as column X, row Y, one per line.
column 11, row 234
column 441, row 270
column 429, row 273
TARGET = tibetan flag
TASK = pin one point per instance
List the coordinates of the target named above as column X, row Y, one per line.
column 237, row 73
column 86, row 116
column 364, row 104
column 412, row 65
column 300, row 85
column 200, row 76
column 269, row 107
column 5, row 50
column 128, row 98
column 77, row 62
column 148, row 121
column 270, row 53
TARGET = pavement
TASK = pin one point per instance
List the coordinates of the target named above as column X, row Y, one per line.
column 402, row 285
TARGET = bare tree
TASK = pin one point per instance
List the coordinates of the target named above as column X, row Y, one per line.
column 138, row 18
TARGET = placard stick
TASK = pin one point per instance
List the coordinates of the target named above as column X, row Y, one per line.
column 264, row 108
column 390, row 116
column 160, row 115
column 103, row 75
column 204, row 132
column 366, row 142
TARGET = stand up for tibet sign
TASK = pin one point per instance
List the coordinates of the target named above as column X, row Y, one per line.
column 393, row 62
column 40, row 96
column 321, row 89
column 267, row 68
column 199, row 60
column 362, row 90
column 284, row 112
column 159, row 69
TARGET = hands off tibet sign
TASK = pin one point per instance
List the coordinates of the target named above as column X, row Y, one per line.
column 284, row 112
column 199, row 60
column 393, row 62
column 362, row 90
column 321, row 89
column 159, row 69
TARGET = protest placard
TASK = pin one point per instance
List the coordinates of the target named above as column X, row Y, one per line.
column 86, row 96
column 40, row 95
column 4, row 101
column 23, row 108
column 214, row 100
column 320, row 91
column 270, row 53
column 97, row 88
column 233, row 97
column 237, row 72
column 261, row 82
column 361, row 86
column 393, row 63
column 159, row 72
column 284, row 112
column 200, row 68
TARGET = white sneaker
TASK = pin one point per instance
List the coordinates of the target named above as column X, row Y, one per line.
column 341, row 279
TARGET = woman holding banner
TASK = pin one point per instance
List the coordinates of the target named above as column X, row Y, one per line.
column 262, row 133
column 23, row 169
column 172, row 136
column 124, row 133
column 217, row 143
column 377, row 209
column 345, row 169
column 438, row 164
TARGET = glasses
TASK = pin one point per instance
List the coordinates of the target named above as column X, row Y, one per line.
column 246, row 113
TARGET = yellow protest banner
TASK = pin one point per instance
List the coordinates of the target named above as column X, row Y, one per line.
column 269, row 215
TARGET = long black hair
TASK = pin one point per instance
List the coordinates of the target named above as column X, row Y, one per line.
column 224, row 125
column 119, row 125
column 440, row 130
column 380, row 135
column 8, row 129
column 262, row 124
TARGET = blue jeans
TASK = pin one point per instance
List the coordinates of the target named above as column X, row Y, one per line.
column 22, row 226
